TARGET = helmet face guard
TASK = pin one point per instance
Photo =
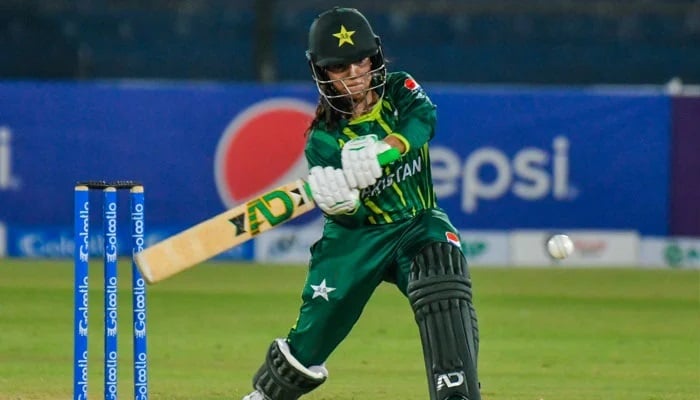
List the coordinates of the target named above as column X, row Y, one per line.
column 344, row 102
column 342, row 36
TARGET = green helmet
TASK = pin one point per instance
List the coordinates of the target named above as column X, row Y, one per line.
column 341, row 36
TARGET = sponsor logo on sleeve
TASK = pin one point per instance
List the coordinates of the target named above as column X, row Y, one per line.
column 411, row 84
column 453, row 238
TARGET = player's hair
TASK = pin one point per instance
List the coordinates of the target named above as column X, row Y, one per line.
column 330, row 116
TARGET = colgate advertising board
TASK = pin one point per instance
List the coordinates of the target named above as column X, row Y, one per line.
column 502, row 159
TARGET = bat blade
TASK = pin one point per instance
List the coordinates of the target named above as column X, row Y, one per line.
column 224, row 231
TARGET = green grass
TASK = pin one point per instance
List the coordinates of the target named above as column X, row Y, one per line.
column 550, row 334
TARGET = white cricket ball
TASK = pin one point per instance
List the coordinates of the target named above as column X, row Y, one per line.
column 560, row 246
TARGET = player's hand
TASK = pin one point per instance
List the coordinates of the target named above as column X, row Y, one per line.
column 331, row 191
column 360, row 162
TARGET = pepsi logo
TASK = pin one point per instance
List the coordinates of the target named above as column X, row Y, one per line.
column 453, row 238
column 262, row 148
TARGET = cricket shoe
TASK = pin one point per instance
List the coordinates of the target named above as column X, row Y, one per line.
column 255, row 395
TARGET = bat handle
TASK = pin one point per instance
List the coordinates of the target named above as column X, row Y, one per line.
column 389, row 156
column 384, row 158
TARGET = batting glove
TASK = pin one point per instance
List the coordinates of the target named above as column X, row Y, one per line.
column 360, row 164
column 331, row 191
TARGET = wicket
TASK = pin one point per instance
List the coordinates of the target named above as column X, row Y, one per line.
column 110, row 256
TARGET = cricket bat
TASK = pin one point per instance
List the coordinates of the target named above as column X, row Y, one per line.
column 229, row 229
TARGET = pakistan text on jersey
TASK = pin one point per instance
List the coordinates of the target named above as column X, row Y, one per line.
column 402, row 172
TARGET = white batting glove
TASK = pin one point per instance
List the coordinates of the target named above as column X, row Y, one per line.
column 331, row 191
column 360, row 163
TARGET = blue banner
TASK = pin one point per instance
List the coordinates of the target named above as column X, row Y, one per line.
column 58, row 241
column 553, row 159
column 503, row 159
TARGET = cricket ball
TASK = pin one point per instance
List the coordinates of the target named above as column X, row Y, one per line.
column 560, row 246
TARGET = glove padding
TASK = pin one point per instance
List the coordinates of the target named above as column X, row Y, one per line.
column 360, row 163
column 331, row 191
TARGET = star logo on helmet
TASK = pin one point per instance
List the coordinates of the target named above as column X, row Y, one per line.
column 344, row 36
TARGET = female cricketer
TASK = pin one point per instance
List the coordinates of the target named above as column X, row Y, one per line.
column 382, row 222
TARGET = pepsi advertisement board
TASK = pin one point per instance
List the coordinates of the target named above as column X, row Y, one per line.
column 553, row 159
column 502, row 159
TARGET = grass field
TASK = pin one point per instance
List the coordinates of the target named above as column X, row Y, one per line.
column 546, row 334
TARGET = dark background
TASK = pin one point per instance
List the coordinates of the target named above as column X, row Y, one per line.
column 530, row 41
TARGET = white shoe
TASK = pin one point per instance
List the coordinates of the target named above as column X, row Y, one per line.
column 254, row 395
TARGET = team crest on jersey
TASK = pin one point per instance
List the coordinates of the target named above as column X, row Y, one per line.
column 411, row 84
column 453, row 238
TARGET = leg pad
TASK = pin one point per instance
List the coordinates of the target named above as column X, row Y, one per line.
column 282, row 377
column 440, row 293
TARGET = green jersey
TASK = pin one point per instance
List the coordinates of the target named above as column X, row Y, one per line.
column 405, row 188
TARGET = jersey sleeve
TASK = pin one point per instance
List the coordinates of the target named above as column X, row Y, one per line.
column 417, row 114
column 322, row 149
